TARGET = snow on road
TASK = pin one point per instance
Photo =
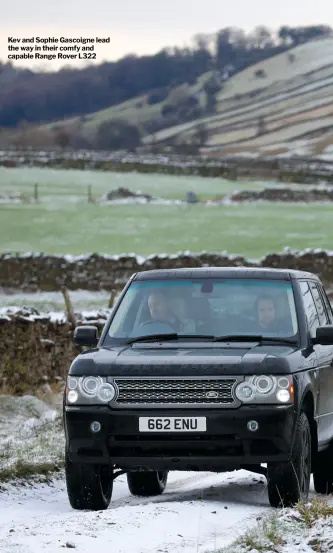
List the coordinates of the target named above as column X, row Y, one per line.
column 197, row 512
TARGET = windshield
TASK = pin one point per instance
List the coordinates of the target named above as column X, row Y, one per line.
column 205, row 307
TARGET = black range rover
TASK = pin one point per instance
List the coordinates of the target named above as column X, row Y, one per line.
column 208, row 369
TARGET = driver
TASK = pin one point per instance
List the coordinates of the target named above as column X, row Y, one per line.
column 160, row 311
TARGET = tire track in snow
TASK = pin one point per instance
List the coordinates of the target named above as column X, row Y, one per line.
column 197, row 511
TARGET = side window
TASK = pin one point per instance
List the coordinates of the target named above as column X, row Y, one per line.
column 310, row 308
column 319, row 303
column 327, row 304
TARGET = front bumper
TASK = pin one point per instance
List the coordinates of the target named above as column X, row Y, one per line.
column 227, row 443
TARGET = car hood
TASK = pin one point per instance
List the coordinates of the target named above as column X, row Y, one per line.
column 185, row 360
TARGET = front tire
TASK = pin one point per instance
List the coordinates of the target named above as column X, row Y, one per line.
column 147, row 483
column 89, row 487
column 323, row 472
column 289, row 482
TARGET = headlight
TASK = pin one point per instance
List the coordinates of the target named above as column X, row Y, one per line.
column 72, row 396
column 89, row 390
column 90, row 385
column 283, row 396
column 266, row 389
column 264, row 384
column 245, row 392
column 106, row 392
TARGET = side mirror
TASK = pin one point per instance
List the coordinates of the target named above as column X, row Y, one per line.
column 324, row 335
column 86, row 336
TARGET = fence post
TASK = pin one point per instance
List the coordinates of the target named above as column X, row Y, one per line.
column 71, row 318
column 112, row 298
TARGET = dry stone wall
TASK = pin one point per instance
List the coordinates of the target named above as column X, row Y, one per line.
column 35, row 350
column 30, row 272
column 284, row 194
column 307, row 170
column 92, row 272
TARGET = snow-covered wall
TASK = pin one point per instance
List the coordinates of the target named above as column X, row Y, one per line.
column 37, row 271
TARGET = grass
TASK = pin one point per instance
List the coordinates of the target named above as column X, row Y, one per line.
column 312, row 511
column 64, row 222
column 271, row 536
column 284, row 530
column 31, row 440
column 27, row 469
column 75, row 228
column 267, row 537
column 55, row 184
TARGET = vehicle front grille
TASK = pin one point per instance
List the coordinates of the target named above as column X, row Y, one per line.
column 169, row 391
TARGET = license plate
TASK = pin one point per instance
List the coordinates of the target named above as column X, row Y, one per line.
column 172, row 424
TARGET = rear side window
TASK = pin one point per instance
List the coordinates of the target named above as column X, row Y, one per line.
column 327, row 304
column 310, row 308
column 319, row 303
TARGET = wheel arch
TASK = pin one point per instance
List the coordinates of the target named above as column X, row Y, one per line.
column 307, row 406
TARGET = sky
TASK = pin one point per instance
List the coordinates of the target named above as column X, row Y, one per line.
column 146, row 26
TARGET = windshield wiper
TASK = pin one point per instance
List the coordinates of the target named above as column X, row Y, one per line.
column 238, row 338
column 281, row 340
column 228, row 338
column 252, row 338
column 169, row 336
column 152, row 337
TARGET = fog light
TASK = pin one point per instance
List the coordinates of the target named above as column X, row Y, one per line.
column 95, row 426
column 252, row 426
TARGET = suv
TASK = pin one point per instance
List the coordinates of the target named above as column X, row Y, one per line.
column 207, row 369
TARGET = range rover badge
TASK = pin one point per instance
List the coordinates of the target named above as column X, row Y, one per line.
column 212, row 394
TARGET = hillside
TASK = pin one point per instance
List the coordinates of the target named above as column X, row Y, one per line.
column 293, row 101
column 138, row 110
column 36, row 97
column 251, row 95
column 280, row 105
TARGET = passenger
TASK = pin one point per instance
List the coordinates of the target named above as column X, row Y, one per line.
column 266, row 313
